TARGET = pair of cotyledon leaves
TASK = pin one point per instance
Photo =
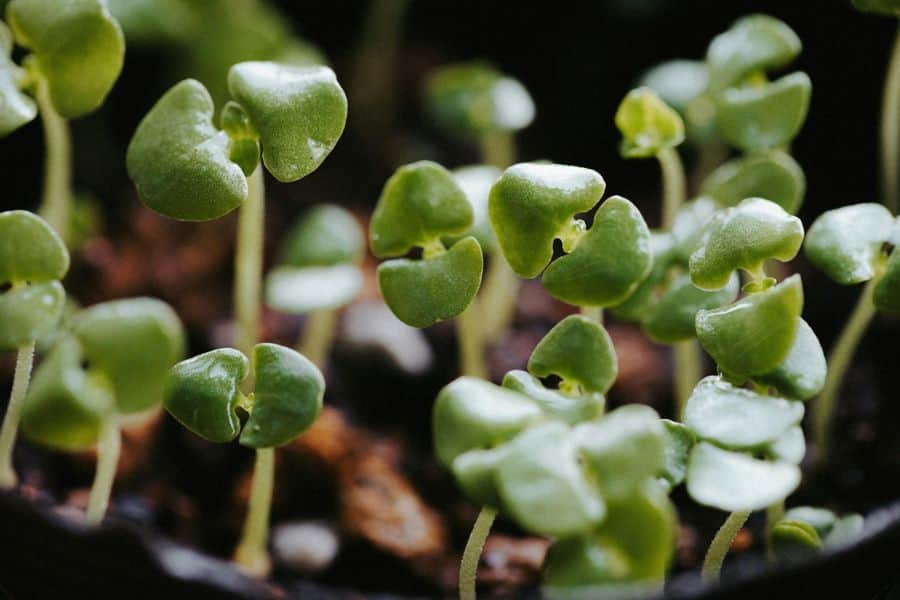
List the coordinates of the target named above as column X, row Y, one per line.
column 186, row 168
column 76, row 47
column 811, row 529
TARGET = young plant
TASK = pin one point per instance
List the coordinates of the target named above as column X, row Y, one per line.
column 204, row 395
column 809, row 530
column 33, row 258
column 76, row 50
column 319, row 273
column 112, row 364
column 853, row 244
column 186, row 168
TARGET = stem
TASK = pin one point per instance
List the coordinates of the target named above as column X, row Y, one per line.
column 107, row 459
column 774, row 513
column 251, row 554
column 674, row 186
column 315, row 342
column 468, row 568
column 838, row 362
column 56, row 203
column 471, row 349
column 498, row 149
column 594, row 313
column 721, row 543
column 688, row 371
column 890, row 130
column 248, row 264
column 22, row 376
column 498, row 300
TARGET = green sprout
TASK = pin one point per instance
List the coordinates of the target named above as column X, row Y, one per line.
column 318, row 273
column 33, row 259
column 809, row 530
column 75, row 53
column 113, row 363
column 204, row 395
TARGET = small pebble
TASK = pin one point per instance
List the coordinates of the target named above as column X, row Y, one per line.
column 305, row 546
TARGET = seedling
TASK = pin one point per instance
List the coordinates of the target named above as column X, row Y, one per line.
column 808, row 529
column 76, row 50
column 33, row 259
column 204, row 395
column 114, row 363
column 318, row 274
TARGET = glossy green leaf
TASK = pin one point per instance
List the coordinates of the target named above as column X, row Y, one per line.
column 78, row 47
column 30, row 250
column 571, row 409
column 690, row 223
column 645, row 295
column 608, row 262
column 419, row 204
column 793, row 536
column 754, row 335
column 299, row 113
column 326, row 235
column 29, row 312
column 475, row 473
column 845, row 242
column 580, row 352
column 647, row 124
column 287, row 398
column 423, row 292
column 672, row 318
column 790, row 447
column 802, row 374
column 623, row 449
column 149, row 22
column 821, row 520
column 733, row 481
column 676, row 451
column 887, row 291
column 298, row 291
column 677, row 82
column 760, row 118
column 735, row 417
column 476, row 181
column 204, row 392
column 744, row 237
column 583, row 562
column 180, row 162
column 889, row 8
column 773, row 175
column 534, row 203
column 16, row 107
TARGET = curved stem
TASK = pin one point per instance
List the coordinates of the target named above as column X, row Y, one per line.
column 498, row 149
column 248, row 264
column 498, row 298
column 107, row 460
column 56, row 204
column 890, row 130
column 594, row 313
column 469, row 340
column 688, row 371
column 838, row 362
column 774, row 513
column 24, row 362
column 721, row 543
column 251, row 554
column 468, row 568
column 318, row 332
column 674, row 186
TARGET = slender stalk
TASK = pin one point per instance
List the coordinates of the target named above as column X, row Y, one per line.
column 248, row 264
column 471, row 347
column 688, row 371
column 318, row 333
column 468, row 568
column 890, row 130
column 674, row 185
column 22, row 376
column 56, row 204
column 498, row 149
column 838, row 362
column 498, row 298
column 107, row 460
column 721, row 543
column 251, row 554
column 774, row 513
column 594, row 313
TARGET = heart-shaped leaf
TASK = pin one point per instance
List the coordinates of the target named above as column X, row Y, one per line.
column 30, row 250
column 327, row 235
column 16, row 107
column 571, row 409
column 78, row 46
column 734, row 481
column 419, row 204
column 773, row 175
column 672, row 318
column 534, row 203
column 790, row 447
column 301, row 290
column 677, row 82
column 889, row 8
column 180, row 162
column 752, row 44
column 476, row 182
column 754, row 335
column 760, row 118
column 287, row 398
column 643, row 298
column 887, row 291
column 734, row 417
column 794, row 536
column 647, row 124
column 580, row 352
column 29, row 312
column 744, row 237
column 609, row 261
column 821, row 520
column 676, row 450
column 845, row 242
column 299, row 113
column 204, row 392
column 802, row 374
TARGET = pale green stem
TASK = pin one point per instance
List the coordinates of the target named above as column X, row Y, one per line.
column 22, row 376
column 498, row 149
column 498, row 298
column 774, row 513
column 318, row 333
column 56, row 204
column 468, row 568
column 674, row 186
column 594, row 313
column 721, row 543
column 252, row 554
column 248, row 264
column 468, row 337
column 890, row 130
column 688, row 371
column 108, row 448
column 838, row 362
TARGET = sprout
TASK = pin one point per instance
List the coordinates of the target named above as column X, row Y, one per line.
column 807, row 529
column 33, row 259
column 204, row 395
